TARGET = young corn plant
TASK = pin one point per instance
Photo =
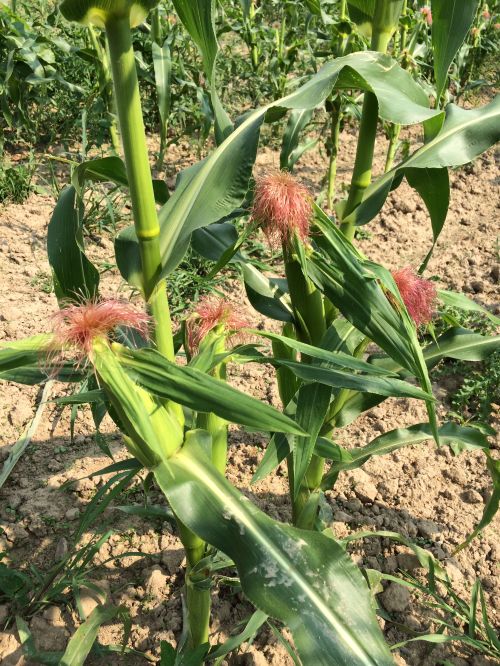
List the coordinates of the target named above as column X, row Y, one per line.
column 333, row 303
column 164, row 409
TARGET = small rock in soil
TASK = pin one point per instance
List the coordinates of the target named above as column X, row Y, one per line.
column 408, row 561
column 48, row 637
column 10, row 650
column 477, row 286
column 364, row 487
column 342, row 517
column 90, row 599
column 427, row 528
column 453, row 572
column 61, row 549
column 4, row 612
column 156, row 582
column 396, row 598
column 72, row 514
column 471, row 496
column 53, row 616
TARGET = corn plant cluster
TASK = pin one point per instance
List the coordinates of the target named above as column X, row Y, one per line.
column 351, row 333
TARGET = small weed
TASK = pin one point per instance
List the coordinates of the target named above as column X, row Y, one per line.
column 363, row 234
column 480, row 386
column 43, row 282
column 15, row 183
column 190, row 282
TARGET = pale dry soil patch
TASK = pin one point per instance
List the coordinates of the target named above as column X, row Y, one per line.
column 423, row 492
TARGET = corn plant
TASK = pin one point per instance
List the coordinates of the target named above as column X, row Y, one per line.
column 334, row 303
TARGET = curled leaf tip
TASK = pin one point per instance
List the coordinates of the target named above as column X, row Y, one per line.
column 418, row 294
column 282, row 207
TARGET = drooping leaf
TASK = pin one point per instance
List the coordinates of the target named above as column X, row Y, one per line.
column 462, row 302
column 162, row 63
column 302, row 578
column 433, row 185
column 451, row 21
column 112, row 170
column 458, row 437
column 201, row 392
column 21, row 445
column 338, row 379
column 337, row 358
column 214, row 188
column 31, row 361
column 291, row 149
column 463, row 136
column 276, row 451
column 491, row 508
column 456, row 343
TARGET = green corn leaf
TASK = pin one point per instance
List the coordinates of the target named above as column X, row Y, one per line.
column 433, row 185
column 459, row 438
column 302, row 578
column 456, row 343
column 451, row 21
column 30, row 361
column 162, row 63
column 251, row 628
column 198, row 17
column 83, row 398
column 354, row 286
column 276, row 451
column 21, row 445
column 337, row 358
column 426, row 559
column 75, row 277
column 462, row 302
column 491, row 508
column 265, row 294
column 84, row 637
column 201, row 392
column 291, row 149
column 112, row 170
column 337, row 379
column 214, row 188
column 313, row 401
column 96, row 12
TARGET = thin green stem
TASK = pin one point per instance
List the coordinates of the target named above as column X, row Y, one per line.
column 336, row 117
column 148, row 233
column 393, row 146
column 385, row 20
column 213, row 424
column 307, row 302
column 254, row 49
column 106, row 88
column 139, row 176
column 156, row 26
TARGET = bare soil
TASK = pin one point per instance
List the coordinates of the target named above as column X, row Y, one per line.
column 422, row 492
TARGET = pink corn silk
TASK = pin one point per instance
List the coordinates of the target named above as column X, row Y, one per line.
column 282, row 207
column 209, row 313
column 417, row 293
column 427, row 14
column 76, row 326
